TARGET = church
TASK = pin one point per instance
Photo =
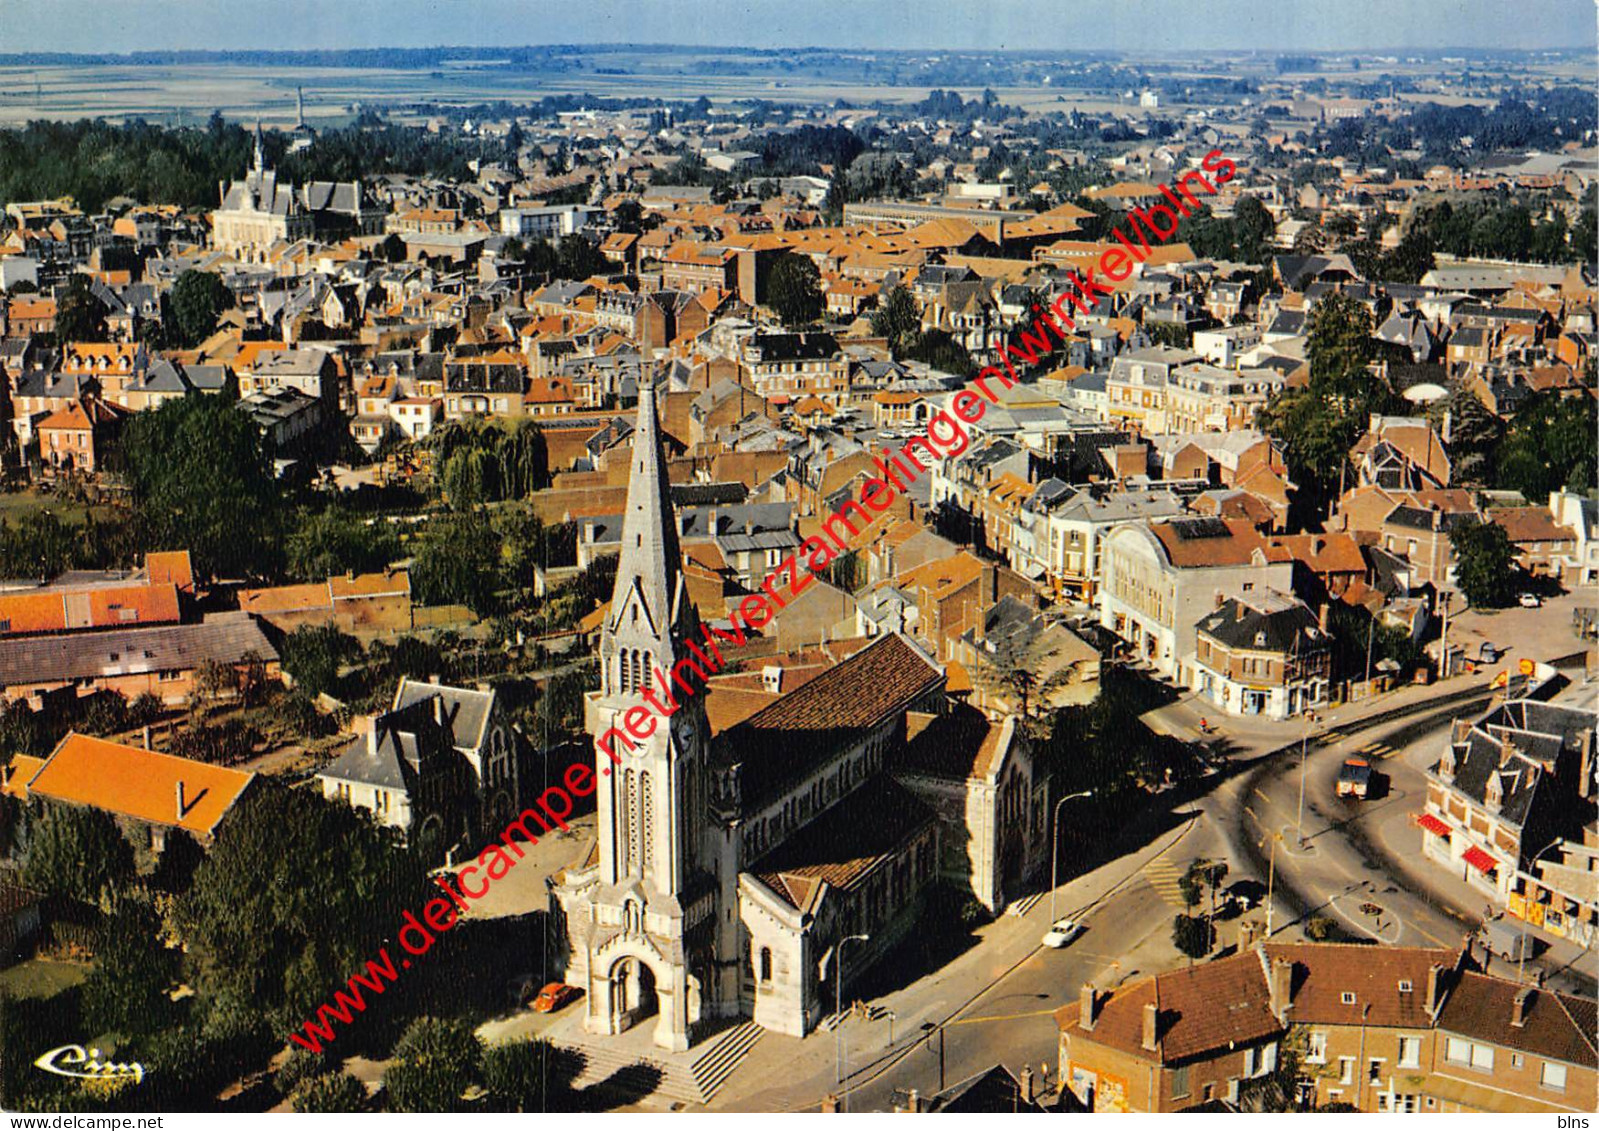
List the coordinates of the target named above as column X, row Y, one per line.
column 258, row 211
column 727, row 869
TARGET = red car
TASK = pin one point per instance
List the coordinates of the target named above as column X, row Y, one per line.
column 554, row 996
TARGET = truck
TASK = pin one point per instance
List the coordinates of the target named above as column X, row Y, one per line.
column 1354, row 778
column 1504, row 940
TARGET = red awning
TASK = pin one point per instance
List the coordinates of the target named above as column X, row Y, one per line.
column 1480, row 860
column 1432, row 824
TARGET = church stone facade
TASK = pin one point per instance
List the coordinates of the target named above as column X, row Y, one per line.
column 727, row 870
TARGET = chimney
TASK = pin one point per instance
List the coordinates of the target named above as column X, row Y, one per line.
column 1323, row 617
column 1027, row 1084
column 1151, row 1027
column 179, row 790
column 1585, row 774
column 1520, row 1005
column 829, row 1104
column 1088, row 1008
column 1435, row 989
column 913, row 1102
column 147, row 736
column 1281, row 987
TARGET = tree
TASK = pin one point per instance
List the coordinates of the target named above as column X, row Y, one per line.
column 80, row 317
column 527, row 1075
column 577, row 258
column 76, row 852
column 258, row 934
column 330, row 1092
column 794, row 290
column 1484, row 563
column 435, row 1062
column 1549, row 446
column 332, row 541
column 197, row 300
column 897, row 318
column 1470, row 432
column 313, row 655
column 201, row 478
column 458, row 563
column 127, row 991
column 1191, row 934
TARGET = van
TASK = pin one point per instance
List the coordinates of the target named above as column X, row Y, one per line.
column 1509, row 943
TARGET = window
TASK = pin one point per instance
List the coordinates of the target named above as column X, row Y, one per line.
column 1409, row 1052
column 1516, row 1060
column 1179, row 1082
column 1346, row 1070
column 1405, row 986
column 1347, row 998
column 1554, row 1076
column 1250, row 1062
column 1316, row 1052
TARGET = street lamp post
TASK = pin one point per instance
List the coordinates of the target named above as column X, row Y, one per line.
column 1054, row 846
column 838, row 1012
column 1521, row 968
column 1304, row 753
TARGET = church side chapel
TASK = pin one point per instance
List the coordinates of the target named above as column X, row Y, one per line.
column 731, row 859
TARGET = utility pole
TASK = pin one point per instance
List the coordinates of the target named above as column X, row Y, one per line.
column 1304, row 753
column 1370, row 630
column 1271, row 877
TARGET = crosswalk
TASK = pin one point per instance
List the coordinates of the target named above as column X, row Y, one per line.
column 1376, row 751
column 1163, row 876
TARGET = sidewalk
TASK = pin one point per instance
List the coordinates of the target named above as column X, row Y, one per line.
column 1252, row 736
column 790, row 1073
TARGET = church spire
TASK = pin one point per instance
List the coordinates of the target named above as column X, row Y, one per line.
column 651, row 560
column 260, row 160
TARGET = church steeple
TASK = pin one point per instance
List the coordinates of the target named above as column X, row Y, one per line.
column 651, row 562
column 260, row 159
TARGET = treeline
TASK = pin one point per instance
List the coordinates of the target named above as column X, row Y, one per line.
column 93, row 161
column 1500, row 229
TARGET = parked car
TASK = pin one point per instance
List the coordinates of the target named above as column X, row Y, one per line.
column 1062, row 933
column 1529, row 601
column 1354, row 778
column 554, row 996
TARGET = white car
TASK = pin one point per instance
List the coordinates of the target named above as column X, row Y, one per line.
column 1063, row 933
column 1529, row 601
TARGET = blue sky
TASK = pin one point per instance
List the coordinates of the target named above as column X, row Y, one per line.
column 1147, row 25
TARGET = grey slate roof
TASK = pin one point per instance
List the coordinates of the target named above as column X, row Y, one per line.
column 223, row 637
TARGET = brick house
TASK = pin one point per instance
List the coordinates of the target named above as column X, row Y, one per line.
column 76, row 438
column 1263, row 654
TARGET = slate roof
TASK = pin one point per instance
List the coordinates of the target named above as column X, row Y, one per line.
column 467, row 709
column 223, row 637
column 1269, row 623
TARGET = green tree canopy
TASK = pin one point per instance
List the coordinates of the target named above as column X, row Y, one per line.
column 330, row 1092
column 459, row 563
column 1484, row 563
column 80, row 317
column 202, row 481
column 897, row 318
column 197, row 300
column 1549, row 446
column 313, row 654
column 435, row 1062
column 76, row 852
column 794, row 290
column 332, row 541
column 127, row 991
column 258, row 933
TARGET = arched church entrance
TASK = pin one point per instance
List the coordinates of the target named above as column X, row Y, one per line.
column 633, row 996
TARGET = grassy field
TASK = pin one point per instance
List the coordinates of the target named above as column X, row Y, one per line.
column 41, row 977
column 16, row 505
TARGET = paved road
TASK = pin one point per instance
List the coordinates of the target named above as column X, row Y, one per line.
column 1361, row 862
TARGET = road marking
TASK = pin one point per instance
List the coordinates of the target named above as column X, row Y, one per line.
column 1164, row 877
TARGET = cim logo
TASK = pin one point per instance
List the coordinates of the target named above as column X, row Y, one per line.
column 74, row 1061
